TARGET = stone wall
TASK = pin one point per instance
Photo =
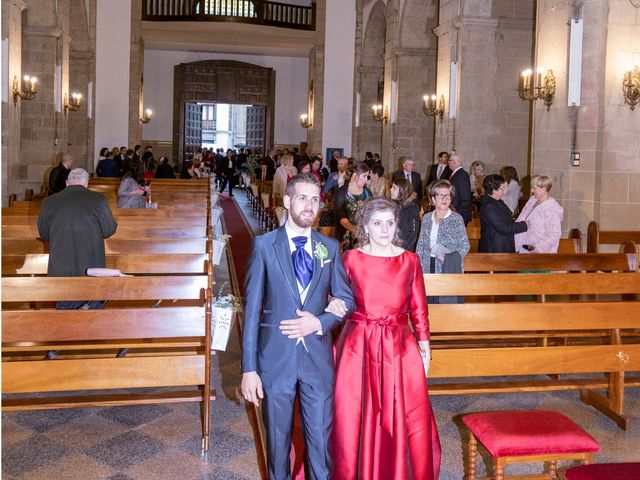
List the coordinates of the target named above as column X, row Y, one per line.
column 606, row 185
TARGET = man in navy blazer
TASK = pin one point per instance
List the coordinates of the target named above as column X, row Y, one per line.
column 459, row 178
column 287, row 344
column 410, row 175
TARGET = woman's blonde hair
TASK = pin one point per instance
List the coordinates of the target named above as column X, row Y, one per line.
column 541, row 181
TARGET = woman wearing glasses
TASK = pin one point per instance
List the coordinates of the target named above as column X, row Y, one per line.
column 443, row 241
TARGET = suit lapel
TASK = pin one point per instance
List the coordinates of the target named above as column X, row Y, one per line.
column 317, row 266
column 283, row 254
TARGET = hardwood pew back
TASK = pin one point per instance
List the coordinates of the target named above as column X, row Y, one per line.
column 576, row 262
column 531, row 319
column 571, row 244
column 597, row 237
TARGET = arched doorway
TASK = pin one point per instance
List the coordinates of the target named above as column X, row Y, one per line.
column 222, row 81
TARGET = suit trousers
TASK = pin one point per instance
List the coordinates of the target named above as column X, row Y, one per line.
column 316, row 409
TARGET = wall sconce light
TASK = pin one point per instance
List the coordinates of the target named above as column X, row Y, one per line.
column 631, row 86
column 305, row 121
column 542, row 90
column 72, row 104
column 28, row 90
column 429, row 106
column 380, row 113
column 146, row 118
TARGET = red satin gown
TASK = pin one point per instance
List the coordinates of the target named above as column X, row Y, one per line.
column 384, row 426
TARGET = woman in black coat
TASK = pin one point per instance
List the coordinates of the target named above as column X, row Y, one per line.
column 496, row 221
column 409, row 216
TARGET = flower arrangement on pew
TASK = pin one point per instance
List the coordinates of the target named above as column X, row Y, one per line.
column 224, row 309
column 219, row 241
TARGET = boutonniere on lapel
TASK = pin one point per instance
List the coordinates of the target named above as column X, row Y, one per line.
column 321, row 253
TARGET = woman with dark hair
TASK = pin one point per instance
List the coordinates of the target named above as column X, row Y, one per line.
column 497, row 227
column 409, row 216
column 513, row 193
column 384, row 426
column 378, row 185
column 348, row 204
column 304, row 166
column 443, row 232
column 132, row 191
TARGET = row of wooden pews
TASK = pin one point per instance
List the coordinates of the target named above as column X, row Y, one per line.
column 154, row 335
column 574, row 327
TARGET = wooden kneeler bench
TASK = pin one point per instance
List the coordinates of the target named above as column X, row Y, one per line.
column 167, row 346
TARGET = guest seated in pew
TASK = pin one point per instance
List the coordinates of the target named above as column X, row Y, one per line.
column 497, row 227
column 132, row 191
column 544, row 216
column 443, row 241
column 75, row 222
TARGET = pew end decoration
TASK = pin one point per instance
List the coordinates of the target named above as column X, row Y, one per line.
column 223, row 315
column 219, row 242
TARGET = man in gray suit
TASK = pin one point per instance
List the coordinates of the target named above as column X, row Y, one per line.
column 287, row 345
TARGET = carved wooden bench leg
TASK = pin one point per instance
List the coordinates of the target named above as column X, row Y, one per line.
column 473, row 454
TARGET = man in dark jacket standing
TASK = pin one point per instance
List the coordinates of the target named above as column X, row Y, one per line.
column 459, row 178
column 410, row 176
column 59, row 174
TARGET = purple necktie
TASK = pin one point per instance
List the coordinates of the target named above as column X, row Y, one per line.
column 302, row 262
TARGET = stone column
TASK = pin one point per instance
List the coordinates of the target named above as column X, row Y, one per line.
column 491, row 44
column 11, row 33
column 43, row 130
column 316, row 78
column 605, row 187
column 136, row 69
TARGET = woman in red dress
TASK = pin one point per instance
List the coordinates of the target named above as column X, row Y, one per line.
column 384, row 426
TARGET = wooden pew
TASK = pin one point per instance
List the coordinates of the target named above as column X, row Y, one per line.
column 159, row 336
column 129, row 230
column 117, row 245
column 460, row 369
column 576, row 262
column 571, row 244
column 597, row 237
column 130, row 263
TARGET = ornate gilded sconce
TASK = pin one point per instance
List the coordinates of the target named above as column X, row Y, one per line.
column 380, row 113
column 631, row 87
column 28, row 90
column 432, row 105
column 544, row 89
column 146, row 116
column 305, row 121
column 72, row 104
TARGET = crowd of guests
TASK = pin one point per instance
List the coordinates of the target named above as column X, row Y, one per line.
column 434, row 213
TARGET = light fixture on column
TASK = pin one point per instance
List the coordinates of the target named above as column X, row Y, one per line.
column 380, row 113
column 543, row 89
column 72, row 104
column 146, row 117
column 28, row 90
column 305, row 121
column 631, row 86
column 432, row 105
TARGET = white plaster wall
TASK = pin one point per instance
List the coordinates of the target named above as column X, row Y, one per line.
column 291, row 91
column 112, row 73
column 338, row 74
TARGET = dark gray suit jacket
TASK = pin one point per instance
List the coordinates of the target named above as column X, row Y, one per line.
column 75, row 222
column 271, row 295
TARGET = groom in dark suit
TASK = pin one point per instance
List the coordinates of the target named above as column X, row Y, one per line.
column 286, row 344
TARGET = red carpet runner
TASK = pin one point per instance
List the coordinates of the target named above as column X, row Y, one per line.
column 237, row 254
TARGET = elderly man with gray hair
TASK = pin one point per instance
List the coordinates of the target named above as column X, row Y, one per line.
column 459, row 179
column 75, row 222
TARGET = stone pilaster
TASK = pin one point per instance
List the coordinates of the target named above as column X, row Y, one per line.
column 316, row 76
column 136, row 69
column 12, row 33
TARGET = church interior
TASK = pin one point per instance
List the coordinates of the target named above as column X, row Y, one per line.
column 549, row 87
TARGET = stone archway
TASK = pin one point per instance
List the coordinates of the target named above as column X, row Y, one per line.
column 371, row 77
column 221, row 81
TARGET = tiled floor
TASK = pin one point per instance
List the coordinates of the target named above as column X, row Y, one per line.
column 163, row 441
